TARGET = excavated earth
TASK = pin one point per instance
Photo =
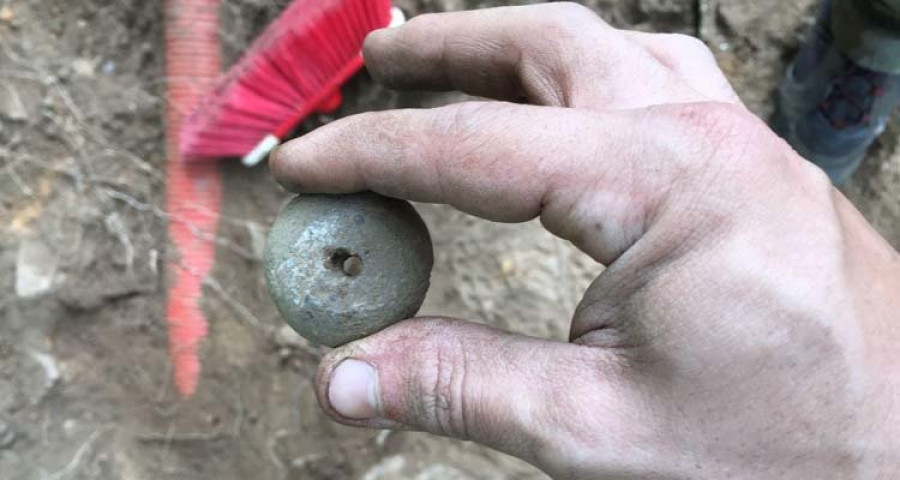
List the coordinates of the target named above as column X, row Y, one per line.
column 85, row 382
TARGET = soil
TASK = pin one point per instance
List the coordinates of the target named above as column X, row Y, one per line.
column 85, row 382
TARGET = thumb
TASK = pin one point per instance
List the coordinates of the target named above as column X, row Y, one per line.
column 514, row 393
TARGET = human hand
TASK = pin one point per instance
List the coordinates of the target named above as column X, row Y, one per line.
column 747, row 323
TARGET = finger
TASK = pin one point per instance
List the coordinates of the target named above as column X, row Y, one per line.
column 594, row 179
column 558, row 54
column 691, row 60
column 521, row 395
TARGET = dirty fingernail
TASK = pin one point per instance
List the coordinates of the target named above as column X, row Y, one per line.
column 353, row 390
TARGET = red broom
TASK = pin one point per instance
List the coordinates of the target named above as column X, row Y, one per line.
column 296, row 67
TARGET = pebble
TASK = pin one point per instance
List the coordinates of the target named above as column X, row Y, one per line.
column 36, row 266
column 11, row 106
column 84, row 67
column 441, row 472
column 7, row 435
column 286, row 338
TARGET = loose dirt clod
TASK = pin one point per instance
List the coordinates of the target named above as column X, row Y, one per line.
column 341, row 267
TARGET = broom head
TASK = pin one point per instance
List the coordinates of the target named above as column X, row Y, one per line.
column 296, row 67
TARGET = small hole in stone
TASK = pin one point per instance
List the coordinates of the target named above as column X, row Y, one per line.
column 342, row 260
column 334, row 257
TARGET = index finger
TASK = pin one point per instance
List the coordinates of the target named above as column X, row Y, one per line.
column 587, row 175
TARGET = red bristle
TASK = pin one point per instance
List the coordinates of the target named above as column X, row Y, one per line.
column 331, row 103
column 295, row 68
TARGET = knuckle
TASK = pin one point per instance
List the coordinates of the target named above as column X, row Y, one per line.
column 680, row 52
column 717, row 122
column 713, row 139
column 468, row 129
column 586, row 375
column 565, row 19
column 819, row 181
column 689, row 45
column 440, row 390
column 363, row 119
column 457, row 117
column 425, row 22
column 561, row 38
column 461, row 122
column 396, row 125
column 374, row 125
column 727, row 144
column 572, row 10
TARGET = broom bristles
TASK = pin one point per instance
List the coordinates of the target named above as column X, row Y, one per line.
column 295, row 68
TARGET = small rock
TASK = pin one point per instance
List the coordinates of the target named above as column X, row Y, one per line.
column 50, row 366
column 305, row 460
column 83, row 296
column 8, row 436
column 382, row 437
column 258, row 235
column 286, row 337
column 84, row 67
column 284, row 353
column 69, row 426
column 507, row 266
column 6, row 14
column 36, row 267
column 10, row 395
column 11, row 105
column 441, row 472
column 389, row 468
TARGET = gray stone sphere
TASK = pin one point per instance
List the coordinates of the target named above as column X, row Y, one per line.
column 341, row 267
